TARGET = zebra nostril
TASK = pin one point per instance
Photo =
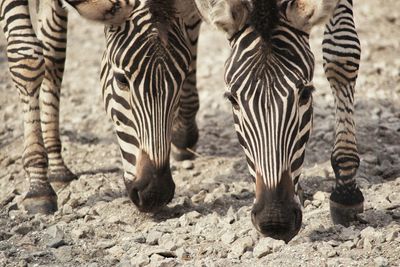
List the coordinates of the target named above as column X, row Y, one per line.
column 135, row 197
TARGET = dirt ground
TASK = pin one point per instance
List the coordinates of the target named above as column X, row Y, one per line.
column 208, row 222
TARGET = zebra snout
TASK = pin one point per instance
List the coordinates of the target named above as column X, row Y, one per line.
column 152, row 187
column 277, row 221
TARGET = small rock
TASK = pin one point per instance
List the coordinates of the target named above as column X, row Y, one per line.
column 277, row 245
column 187, row 165
column 22, row 229
column 263, row 247
column 189, row 218
column 349, row 233
column 326, row 250
column 139, row 238
column 140, row 260
column 67, row 209
column 56, row 237
column 228, row 237
column 392, row 235
column 199, row 197
column 319, row 195
column 105, row 244
column 368, row 232
column 156, row 258
column 152, row 237
column 381, row 262
column 348, row 245
column 247, row 255
column 240, row 246
column 367, row 245
column 181, row 253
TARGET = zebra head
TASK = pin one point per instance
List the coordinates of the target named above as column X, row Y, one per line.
column 269, row 83
column 145, row 63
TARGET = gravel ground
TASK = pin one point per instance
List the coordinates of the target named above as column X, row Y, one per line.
column 208, row 222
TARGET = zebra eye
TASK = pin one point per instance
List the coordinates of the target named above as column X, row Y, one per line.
column 122, row 82
column 305, row 92
column 232, row 99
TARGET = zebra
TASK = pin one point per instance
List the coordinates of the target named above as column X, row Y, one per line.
column 269, row 77
column 148, row 78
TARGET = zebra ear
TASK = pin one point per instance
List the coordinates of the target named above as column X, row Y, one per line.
column 106, row 11
column 227, row 15
column 305, row 14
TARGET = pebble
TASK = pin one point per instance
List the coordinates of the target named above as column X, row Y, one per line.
column 106, row 244
column 319, row 195
column 56, row 237
column 199, row 197
column 228, row 238
column 181, row 253
column 22, row 229
column 153, row 237
column 263, row 247
column 189, row 218
column 348, row 245
column 327, row 250
column 381, row 262
column 140, row 260
column 392, row 235
column 240, row 246
column 187, row 165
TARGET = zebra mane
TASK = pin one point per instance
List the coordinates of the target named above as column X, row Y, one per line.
column 264, row 17
column 163, row 11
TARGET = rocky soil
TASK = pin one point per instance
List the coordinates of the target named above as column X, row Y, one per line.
column 208, row 222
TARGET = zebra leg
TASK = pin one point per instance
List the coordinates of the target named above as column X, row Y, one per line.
column 184, row 131
column 26, row 65
column 341, row 51
column 53, row 20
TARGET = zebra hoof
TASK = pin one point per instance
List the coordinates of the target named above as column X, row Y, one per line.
column 43, row 200
column 180, row 154
column 61, row 178
column 343, row 214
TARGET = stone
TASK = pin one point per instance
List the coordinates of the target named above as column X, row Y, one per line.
column 348, row 245
column 189, row 218
column 22, row 229
column 349, row 233
column 56, row 235
column 367, row 245
column 105, row 244
column 381, row 262
column 187, row 165
column 319, row 195
column 139, row 238
column 326, row 250
column 263, row 247
column 182, row 254
column 240, row 246
column 228, row 238
column 199, row 197
column 392, row 235
column 153, row 237
column 277, row 245
column 140, row 260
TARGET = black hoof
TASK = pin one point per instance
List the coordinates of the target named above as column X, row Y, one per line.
column 182, row 154
column 40, row 199
column 61, row 178
column 344, row 215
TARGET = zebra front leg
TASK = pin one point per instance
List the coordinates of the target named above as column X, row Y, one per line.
column 53, row 22
column 341, row 51
column 26, row 66
column 185, row 133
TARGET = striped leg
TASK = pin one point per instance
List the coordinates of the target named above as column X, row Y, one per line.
column 341, row 51
column 185, row 132
column 53, row 22
column 26, row 66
